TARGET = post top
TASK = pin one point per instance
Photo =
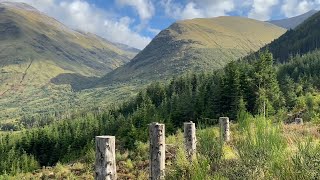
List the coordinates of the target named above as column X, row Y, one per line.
column 105, row 137
column 190, row 122
column 224, row 118
column 155, row 123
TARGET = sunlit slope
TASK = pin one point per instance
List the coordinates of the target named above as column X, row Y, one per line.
column 29, row 34
column 40, row 58
column 30, row 38
column 195, row 45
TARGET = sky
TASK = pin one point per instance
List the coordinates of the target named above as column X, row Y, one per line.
column 136, row 22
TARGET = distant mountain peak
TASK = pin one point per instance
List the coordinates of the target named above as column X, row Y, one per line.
column 303, row 39
column 293, row 22
column 313, row 10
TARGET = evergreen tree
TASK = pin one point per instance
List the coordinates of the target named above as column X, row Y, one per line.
column 232, row 90
column 266, row 85
column 289, row 91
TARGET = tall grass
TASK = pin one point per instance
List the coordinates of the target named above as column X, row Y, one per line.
column 306, row 161
column 261, row 147
column 209, row 153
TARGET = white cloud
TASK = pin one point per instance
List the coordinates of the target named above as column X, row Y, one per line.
column 79, row 14
column 256, row 9
column 197, row 8
column 296, row 7
column 122, row 33
column 262, row 9
column 153, row 30
column 191, row 11
column 144, row 8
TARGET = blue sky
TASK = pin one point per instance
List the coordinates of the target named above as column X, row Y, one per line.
column 136, row 22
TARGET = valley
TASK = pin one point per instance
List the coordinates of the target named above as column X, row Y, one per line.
column 43, row 62
column 60, row 88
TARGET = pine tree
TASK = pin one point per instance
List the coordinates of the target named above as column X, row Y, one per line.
column 266, row 85
column 289, row 91
column 232, row 90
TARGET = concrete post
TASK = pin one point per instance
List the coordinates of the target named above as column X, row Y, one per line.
column 105, row 166
column 190, row 139
column 299, row 121
column 157, row 151
column 225, row 128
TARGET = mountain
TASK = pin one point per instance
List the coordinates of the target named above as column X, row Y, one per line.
column 291, row 23
column 195, row 45
column 301, row 40
column 28, row 35
column 40, row 58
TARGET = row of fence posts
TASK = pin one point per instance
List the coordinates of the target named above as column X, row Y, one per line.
column 105, row 165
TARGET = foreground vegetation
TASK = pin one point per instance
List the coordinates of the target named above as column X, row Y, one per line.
column 259, row 149
column 240, row 91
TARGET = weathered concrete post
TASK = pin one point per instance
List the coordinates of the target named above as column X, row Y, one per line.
column 225, row 128
column 157, row 151
column 190, row 139
column 105, row 166
column 299, row 121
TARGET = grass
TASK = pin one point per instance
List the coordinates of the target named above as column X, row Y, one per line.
column 259, row 149
column 52, row 98
column 37, row 49
column 228, row 32
column 60, row 51
column 195, row 45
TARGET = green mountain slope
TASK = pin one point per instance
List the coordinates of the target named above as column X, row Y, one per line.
column 38, row 54
column 303, row 39
column 195, row 45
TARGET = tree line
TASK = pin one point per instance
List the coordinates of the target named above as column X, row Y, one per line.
column 258, row 87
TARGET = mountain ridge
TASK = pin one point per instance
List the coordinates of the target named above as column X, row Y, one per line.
column 293, row 22
column 194, row 45
column 301, row 40
column 42, row 61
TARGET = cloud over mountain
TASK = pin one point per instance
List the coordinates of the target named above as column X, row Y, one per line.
column 85, row 16
column 136, row 22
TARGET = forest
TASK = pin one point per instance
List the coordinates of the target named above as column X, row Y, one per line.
column 259, row 88
column 295, row 42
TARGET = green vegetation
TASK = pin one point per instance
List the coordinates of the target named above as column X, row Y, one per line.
column 239, row 91
column 41, row 58
column 44, row 65
column 305, row 38
column 260, row 97
column 259, row 149
column 195, row 45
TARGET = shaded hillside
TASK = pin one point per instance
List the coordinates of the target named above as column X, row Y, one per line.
column 303, row 39
column 293, row 22
column 195, row 45
column 35, row 50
